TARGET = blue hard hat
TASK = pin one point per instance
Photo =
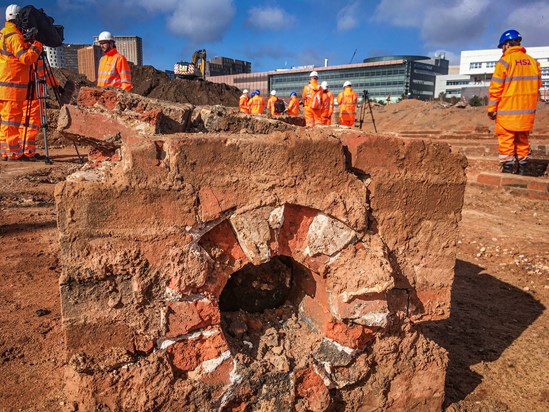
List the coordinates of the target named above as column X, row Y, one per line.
column 252, row 94
column 509, row 35
column 293, row 94
column 257, row 92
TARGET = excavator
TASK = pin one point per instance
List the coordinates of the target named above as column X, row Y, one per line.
column 193, row 70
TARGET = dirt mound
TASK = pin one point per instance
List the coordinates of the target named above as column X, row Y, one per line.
column 149, row 82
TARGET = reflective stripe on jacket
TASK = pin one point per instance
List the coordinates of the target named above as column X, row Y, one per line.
column 309, row 92
column 347, row 100
column 257, row 104
column 114, row 70
column 16, row 57
column 327, row 103
column 513, row 91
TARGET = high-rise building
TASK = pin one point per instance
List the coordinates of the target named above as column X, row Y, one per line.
column 56, row 57
column 219, row 66
column 71, row 55
column 131, row 47
column 88, row 61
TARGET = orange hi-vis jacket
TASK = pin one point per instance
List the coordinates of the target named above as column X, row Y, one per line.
column 309, row 92
column 271, row 105
column 243, row 104
column 347, row 101
column 513, row 91
column 293, row 106
column 16, row 57
column 257, row 104
column 114, row 70
column 327, row 106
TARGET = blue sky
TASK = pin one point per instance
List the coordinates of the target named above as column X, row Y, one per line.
column 277, row 34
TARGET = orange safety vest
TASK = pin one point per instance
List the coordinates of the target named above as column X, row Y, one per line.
column 293, row 106
column 114, row 70
column 513, row 91
column 347, row 100
column 327, row 103
column 257, row 104
column 310, row 95
column 16, row 57
column 243, row 103
column 271, row 105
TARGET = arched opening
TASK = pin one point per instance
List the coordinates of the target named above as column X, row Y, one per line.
column 262, row 313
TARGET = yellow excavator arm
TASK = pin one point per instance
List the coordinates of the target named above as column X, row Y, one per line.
column 200, row 55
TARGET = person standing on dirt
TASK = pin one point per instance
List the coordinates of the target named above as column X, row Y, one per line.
column 293, row 105
column 347, row 101
column 257, row 104
column 16, row 58
column 312, row 101
column 513, row 96
column 271, row 104
column 114, row 69
column 243, row 103
column 327, row 108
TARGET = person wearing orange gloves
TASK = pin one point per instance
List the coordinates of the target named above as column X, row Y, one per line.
column 512, row 101
column 16, row 59
column 327, row 104
column 114, row 69
column 244, row 101
column 347, row 101
column 293, row 105
column 312, row 101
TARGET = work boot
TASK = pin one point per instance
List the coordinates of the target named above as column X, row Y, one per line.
column 522, row 169
column 508, row 167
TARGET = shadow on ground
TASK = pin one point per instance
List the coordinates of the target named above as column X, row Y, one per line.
column 487, row 315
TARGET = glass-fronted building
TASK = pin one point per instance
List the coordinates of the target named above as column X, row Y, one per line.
column 396, row 76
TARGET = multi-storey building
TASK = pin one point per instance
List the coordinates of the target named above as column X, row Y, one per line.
column 71, row 55
column 131, row 47
column 88, row 61
column 56, row 56
column 219, row 66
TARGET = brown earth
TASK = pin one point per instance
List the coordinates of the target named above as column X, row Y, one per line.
column 497, row 335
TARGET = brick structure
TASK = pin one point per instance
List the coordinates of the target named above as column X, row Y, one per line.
column 355, row 233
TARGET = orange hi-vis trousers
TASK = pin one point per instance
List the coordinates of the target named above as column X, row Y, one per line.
column 312, row 117
column 512, row 143
column 11, row 114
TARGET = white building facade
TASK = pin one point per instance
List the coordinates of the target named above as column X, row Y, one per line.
column 56, row 57
column 476, row 69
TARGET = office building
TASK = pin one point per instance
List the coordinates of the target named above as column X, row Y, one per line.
column 219, row 66
column 131, row 47
column 71, row 55
column 88, row 61
column 397, row 76
column 56, row 57
column 476, row 69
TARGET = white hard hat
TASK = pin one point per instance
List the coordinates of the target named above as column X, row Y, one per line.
column 273, row 92
column 105, row 36
column 347, row 83
column 12, row 11
column 313, row 74
column 245, row 91
column 324, row 85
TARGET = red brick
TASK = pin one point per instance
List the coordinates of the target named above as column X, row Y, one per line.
column 537, row 195
column 352, row 336
column 186, row 355
column 185, row 317
column 539, row 186
column 310, row 386
column 294, row 230
column 489, row 179
column 514, row 181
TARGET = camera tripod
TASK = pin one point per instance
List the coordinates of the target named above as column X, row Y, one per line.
column 366, row 99
column 37, row 90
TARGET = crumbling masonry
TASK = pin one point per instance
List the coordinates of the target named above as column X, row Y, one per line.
column 227, row 262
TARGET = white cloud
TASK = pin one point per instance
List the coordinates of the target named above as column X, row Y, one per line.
column 270, row 18
column 532, row 22
column 347, row 16
column 453, row 58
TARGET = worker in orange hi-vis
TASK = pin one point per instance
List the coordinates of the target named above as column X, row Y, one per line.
column 16, row 58
column 327, row 104
column 257, row 103
column 31, row 111
column 271, row 104
column 512, row 101
column 243, row 103
column 293, row 105
column 114, row 69
column 312, row 101
column 347, row 101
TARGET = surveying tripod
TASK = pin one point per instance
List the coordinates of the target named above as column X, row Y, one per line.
column 366, row 100
column 37, row 90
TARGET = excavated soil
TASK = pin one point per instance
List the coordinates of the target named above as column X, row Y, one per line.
column 497, row 336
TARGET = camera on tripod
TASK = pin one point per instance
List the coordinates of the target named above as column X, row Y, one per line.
column 365, row 95
column 35, row 24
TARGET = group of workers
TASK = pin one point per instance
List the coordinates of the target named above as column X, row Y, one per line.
column 22, row 85
column 317, row 100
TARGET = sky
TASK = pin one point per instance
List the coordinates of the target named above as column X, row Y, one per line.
column 283, row 34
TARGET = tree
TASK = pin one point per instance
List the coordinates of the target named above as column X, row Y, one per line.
column 475, row 101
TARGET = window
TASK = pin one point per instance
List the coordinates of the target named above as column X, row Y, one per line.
column 475, row 65
column 490, row 64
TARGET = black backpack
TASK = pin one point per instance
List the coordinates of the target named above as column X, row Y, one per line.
column 279, row 106
column 49, row 34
